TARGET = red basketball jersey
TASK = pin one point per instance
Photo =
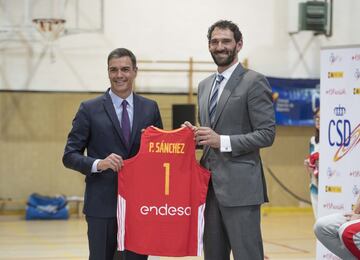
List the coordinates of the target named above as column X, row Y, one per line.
column 161, row 196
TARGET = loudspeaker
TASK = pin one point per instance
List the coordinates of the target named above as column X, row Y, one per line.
column 313, row 16
column 182, row 113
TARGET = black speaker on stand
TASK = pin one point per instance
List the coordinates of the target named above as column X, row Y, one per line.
column 182, row 113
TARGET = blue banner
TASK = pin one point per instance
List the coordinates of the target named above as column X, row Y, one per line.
column 295, row 100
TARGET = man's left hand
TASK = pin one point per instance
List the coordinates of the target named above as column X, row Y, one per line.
column 207, row 136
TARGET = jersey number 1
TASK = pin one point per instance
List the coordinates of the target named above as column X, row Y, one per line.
column 167, row 178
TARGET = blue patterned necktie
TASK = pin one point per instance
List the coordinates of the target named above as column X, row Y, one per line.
column 214, row 98
column 125, row 122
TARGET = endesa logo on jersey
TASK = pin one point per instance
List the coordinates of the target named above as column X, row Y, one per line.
column 334, row 189
column 331, row 205
column 165, row 210
column 335, row 92
column 335, row 74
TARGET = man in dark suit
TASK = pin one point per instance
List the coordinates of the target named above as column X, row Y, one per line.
column 236, row 119
column 109, row 128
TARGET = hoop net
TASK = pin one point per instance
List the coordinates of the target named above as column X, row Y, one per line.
column 50, row 28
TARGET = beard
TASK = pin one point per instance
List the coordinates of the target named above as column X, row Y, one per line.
column 223, row 61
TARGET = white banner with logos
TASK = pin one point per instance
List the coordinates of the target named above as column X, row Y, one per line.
column 339, row 174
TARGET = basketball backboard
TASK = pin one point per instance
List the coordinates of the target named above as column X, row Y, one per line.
column 81, row 16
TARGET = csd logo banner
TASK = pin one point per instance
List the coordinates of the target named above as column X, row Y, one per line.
column 339, row 132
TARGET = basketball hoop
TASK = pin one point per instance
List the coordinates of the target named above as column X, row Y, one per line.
column 50, row 29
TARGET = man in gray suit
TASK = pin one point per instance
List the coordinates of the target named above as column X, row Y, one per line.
column 236, row 119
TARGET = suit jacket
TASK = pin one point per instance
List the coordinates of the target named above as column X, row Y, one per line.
column 96, row 128
column 245, row 113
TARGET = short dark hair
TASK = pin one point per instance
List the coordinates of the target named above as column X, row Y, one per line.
column 122, row 52
column 225, row 24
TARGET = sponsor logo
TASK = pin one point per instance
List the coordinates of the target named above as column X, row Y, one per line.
column 339, row 130
column 355, row 173
column 335, row 74
column 339, row 111
column 165, row 210
column 356, row 57
column 332, row 172
column 355, row 191
column 334, row 189
column 356, row 91
column 334, row 58
column 336, row 92
column 349, row 143
column 331, row 205
column 357, row 74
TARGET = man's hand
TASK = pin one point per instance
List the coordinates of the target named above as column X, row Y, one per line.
column 207, row 136
column 113, row 162
column 188, row 124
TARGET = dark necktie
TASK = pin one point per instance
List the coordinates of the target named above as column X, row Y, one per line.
column 214, row 98
column 125, row 122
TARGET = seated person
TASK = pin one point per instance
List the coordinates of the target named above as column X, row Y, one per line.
column 350, row 236
column 340, row 233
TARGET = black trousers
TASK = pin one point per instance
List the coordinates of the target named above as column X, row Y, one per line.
column 102, row 233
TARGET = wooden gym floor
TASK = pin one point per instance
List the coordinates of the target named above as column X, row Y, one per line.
column 287, row 235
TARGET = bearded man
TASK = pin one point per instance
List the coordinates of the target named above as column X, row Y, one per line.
column 236, row 118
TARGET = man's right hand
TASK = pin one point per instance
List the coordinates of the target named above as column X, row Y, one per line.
column 189, row 125
column 113, row 162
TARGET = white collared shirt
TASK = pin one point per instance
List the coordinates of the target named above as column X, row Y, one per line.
column 225, row 144
column 226, row 74
column 117, row 101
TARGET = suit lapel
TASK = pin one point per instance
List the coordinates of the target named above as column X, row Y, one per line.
column 232, row 83
column 110, row 110
column 205, row 120
column 135, row 124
